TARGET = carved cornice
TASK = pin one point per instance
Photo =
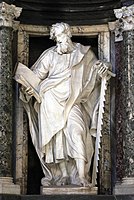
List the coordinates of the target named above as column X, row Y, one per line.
column 125, row 22
column 8, row 13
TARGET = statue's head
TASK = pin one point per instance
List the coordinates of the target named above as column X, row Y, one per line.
column 60, row 28
column 61, row 33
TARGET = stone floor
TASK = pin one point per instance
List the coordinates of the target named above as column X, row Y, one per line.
column 66, row 197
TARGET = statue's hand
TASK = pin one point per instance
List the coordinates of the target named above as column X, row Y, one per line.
column 29, row 91
column 22, row 89
column 102, row 68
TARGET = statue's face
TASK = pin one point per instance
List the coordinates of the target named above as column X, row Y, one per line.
column 62, row 43
column 61, row 38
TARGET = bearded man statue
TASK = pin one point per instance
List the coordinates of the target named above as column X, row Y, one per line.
column 63, row 125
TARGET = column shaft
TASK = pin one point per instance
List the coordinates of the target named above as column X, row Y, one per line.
column 7, row 15
column 129, row 98
column 5, row 101
column 124, row 30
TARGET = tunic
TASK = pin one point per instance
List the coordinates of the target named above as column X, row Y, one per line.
column 60, row 126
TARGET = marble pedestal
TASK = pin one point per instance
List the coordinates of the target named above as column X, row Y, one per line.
column 126, row 187
column 67, row 190
column 8, row 187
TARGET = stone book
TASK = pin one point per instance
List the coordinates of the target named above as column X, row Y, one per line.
column 27, row 78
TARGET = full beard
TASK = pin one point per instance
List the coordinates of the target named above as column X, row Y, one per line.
column 62, row 48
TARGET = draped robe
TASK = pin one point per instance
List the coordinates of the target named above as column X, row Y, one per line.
column 63, row 124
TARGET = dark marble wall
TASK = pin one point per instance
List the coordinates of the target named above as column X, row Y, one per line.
column 129, row 101
column 119, row 110
column 112, row 114
column 5, row 101
column 124, row 106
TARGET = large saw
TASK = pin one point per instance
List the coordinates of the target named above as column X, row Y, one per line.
column 104, row 82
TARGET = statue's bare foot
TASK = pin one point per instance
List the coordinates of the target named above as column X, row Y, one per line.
column 63, row 181
column 84, row 182
column 45, row 182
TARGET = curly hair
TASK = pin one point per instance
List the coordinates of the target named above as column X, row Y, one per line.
column 62, row 27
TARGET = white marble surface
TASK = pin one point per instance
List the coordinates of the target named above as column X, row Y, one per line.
column 68, row 190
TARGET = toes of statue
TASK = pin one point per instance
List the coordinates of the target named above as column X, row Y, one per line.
column 45, row 182
column 63, row 181
column 84, row 182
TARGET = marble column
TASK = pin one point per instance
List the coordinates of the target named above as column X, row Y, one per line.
column 7, row 23
column 124, row 33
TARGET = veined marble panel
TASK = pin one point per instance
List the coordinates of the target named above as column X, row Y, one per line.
column 5, row 101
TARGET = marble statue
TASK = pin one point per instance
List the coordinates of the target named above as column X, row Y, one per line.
column 63, row 123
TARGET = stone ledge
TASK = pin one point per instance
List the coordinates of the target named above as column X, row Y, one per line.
column 68, row 190
column 124, row 189
column 8, row 187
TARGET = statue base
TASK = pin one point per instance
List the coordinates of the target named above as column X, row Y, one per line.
column 55, row 190
column 8, row 187
column 125, row 187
